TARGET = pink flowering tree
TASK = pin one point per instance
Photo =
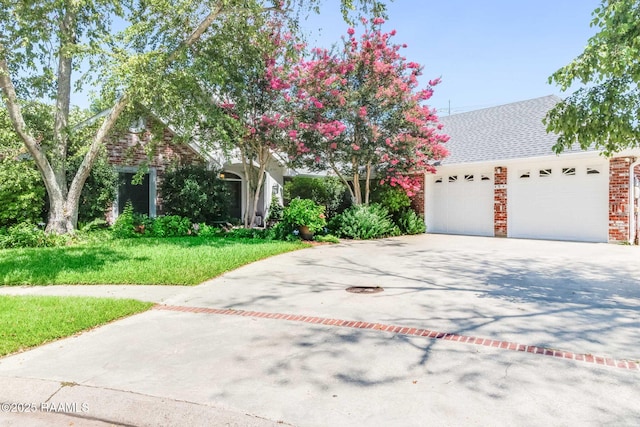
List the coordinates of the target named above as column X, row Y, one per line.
column 362, row 115
column 254, row 98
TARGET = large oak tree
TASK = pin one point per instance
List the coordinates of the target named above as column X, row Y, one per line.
column 132, row 51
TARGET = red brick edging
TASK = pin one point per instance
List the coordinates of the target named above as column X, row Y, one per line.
column 404, row 330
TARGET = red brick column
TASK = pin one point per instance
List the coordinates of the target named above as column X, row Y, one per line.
column 417, row 201
column 500, row 202
column 619, row 198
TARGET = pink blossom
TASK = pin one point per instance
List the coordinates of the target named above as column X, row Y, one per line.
column 362, row 112
column 333, row 146
column 293, row 134
column 351, row 31
column 378, row 21
column 355, row 147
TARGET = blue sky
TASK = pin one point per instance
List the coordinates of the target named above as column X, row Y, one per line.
column 488, row 52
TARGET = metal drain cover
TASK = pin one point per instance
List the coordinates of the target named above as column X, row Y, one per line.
column 365, row 289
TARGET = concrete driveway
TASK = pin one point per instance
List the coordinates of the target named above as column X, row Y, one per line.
column 468, row 331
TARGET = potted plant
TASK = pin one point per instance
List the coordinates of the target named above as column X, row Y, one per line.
column 306, row 215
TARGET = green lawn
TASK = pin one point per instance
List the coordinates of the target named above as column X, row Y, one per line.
column 28, row 321
column 143, row 261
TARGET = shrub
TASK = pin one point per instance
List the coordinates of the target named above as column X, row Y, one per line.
column 364, row 222
column 99, row 190
column 21, row 193
column 27, row 235
column 394, row 199
column 305, row 212
column 197, row 193
column 171, row 226
column 124, row 227
column 329, row 192
column 411, row 223
column 275, row 210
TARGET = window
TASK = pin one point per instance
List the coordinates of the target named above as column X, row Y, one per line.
column 568, row 171
column 545, row 172
column 525, row 174
column 453, row 178
column 592, row 171
column 468, row 177
column 438, row 180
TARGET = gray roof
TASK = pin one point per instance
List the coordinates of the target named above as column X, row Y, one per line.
column 510, row 131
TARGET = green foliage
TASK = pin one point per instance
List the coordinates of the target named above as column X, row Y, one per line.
column 171, row 226
column 196, row 193
column 99, row 190
column 305, row 212
column 327, row 238
column 21, row 192
column 125, row 227
column 410, row 222
column 364, row 222
column 394, row 199
column 605, row 111
column 276, row 210
column 329, row 192
column 26, row 235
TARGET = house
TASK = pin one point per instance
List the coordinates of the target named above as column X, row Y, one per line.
column 130, row 151
column 503, row 179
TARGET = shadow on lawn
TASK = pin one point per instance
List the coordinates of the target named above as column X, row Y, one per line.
column 43, row 265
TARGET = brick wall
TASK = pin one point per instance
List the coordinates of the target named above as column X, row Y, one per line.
column 500, row 202
column 417, row 201
column 132, row 150
column 619, row 199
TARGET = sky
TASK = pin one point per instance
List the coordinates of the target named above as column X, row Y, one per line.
column 487, row 52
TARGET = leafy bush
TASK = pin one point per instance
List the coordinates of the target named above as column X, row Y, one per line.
column 275, row 210
column 171, row 226
column 196, row 193
column 27, row 235
column 99, row 190
column 364, row 222
column 411, row 223
column 125, row 226
column 204, row 230
column 21, row 193
column 329, row 192
column 305, row 212
column 394, row 199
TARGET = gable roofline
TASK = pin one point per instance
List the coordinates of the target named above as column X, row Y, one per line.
column 503, row 132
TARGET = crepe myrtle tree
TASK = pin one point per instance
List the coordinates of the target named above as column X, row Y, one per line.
column 255, row 99
column 50, row 49
column 361, row 114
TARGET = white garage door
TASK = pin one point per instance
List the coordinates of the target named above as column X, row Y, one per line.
column 559, row 200
column 460, row 203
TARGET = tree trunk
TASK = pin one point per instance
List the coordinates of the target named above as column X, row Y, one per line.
column 367, row 184
column 357, row 191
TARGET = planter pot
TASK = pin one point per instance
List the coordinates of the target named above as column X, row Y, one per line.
column 305, row 233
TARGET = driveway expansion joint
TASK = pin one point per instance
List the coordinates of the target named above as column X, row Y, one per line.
column 411, row 331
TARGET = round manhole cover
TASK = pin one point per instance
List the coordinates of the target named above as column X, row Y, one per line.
column 365, row 289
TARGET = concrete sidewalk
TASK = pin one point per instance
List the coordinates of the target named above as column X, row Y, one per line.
column 252, row 370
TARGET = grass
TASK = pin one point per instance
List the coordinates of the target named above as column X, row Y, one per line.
column 142, row 261
column 28, row 321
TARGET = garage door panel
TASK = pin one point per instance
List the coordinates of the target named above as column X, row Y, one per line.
column 463, row 206
column 559, row 206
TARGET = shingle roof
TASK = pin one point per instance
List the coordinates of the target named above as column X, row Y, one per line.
column 508, row 131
